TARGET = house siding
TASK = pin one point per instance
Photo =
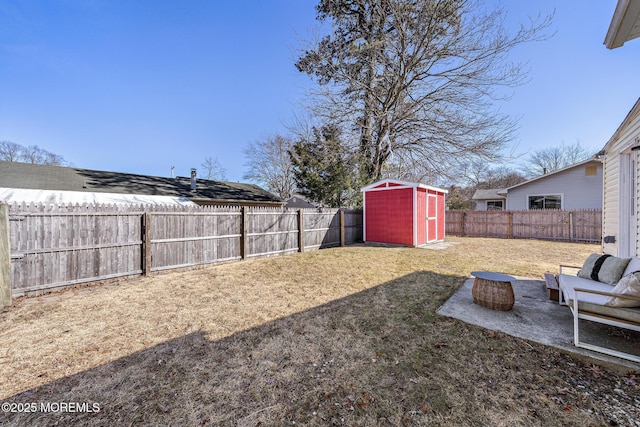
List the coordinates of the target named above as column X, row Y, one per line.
column 610, row 202
column 578, row 190
column 612, row 169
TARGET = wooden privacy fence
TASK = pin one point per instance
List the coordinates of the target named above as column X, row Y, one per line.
column 572, row 226
column 68, row 245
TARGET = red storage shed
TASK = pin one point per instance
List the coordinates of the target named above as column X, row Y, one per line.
column 403, row 213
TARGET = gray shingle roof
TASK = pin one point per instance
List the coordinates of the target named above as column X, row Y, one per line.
column 491, row 194
column 45, row 177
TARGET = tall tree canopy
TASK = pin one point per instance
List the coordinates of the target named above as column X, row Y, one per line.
column 321, row 169
column 416, row 79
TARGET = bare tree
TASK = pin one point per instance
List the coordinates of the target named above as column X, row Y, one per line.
column 479, row 175
column 213, row 169
column 269, row 164
column 417, row 79
column 12, row 152
column 552, row 159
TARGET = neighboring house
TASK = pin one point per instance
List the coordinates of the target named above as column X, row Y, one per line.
column 25, row 182
column 575, row 187
column 620, row 210
column 490, row 200
column 620, row 221
column 298, row 201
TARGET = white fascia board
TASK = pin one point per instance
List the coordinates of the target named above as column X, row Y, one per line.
column 625, row 19
column 398, row 185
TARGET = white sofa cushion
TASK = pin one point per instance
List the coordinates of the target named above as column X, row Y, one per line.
column 594, row 303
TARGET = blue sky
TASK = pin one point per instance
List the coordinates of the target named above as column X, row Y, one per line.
column 140, row 86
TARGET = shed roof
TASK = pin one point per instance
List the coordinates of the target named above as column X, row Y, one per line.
column 45, row 177
column 395, row 183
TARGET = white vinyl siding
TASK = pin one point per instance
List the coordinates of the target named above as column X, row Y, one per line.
column 626, row 139
column 610, row 202
column 481, row 205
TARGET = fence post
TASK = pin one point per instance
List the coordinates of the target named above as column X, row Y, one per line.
column 341, row 227
column 243, row 233
column 463, row 216
column 300, row 230
column 146, row 243
column 5, row 257
column 510, row 225
column 571, row 226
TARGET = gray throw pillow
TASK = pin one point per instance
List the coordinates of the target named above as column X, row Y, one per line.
column 587, row 268
column 612, row 269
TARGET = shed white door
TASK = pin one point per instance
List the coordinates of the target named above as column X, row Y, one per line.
column 432, row 217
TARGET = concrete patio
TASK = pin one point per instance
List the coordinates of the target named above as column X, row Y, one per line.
column 534, row 317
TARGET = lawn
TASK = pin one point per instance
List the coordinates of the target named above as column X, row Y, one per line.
column 344, row 336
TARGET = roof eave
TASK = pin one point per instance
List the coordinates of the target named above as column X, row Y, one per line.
column 227, row 202
column 632, row 113
column 377, row 184
column 625, row 18
column 575, row 165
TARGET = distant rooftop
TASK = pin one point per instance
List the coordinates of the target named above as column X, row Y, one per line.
column 491, row 194
column 59, row 178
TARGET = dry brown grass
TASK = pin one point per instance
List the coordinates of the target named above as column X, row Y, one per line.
column 345, row 336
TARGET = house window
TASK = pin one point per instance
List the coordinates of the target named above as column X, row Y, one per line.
column 552, row 201
column 495, row 205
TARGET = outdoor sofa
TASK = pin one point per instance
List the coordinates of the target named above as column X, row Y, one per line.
column 606, row 289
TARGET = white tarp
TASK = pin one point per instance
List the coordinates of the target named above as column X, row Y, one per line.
column 52, row 197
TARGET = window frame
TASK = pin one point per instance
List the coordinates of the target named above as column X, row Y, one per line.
column 544, row 196
column 489, row 208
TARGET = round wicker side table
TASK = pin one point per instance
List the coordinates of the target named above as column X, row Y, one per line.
column 493, row 290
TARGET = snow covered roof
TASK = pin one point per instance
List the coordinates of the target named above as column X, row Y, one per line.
column 56, row 197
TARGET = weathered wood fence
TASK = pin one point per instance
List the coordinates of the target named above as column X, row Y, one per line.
column 572, row 226
column 68, row 245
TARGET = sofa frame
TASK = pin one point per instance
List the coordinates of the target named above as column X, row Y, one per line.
column 613, row 317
